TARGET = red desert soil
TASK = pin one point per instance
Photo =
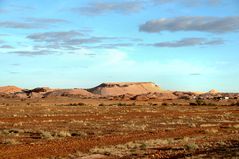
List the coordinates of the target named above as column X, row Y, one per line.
column 62, row 127
column 71, row 145
column 117, row 120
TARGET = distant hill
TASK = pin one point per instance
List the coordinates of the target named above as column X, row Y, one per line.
column 69, row 92
column 113, row 90
column 213, row 91
column 120, row 88
column 10, row 89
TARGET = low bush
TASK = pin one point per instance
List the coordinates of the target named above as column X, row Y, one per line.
column 77, row 104
column 101, row 104
column 235, row 104
column 121, row 104
column 164, row 104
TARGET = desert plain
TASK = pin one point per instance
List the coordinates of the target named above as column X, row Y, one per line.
column 117, row 120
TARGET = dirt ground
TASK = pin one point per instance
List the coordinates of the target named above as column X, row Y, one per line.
column 98, row 128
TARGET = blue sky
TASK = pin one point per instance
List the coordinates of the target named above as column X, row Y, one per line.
column 178, row 44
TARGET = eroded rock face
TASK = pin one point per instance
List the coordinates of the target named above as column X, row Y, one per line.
column 120, row 88
column 69, row 92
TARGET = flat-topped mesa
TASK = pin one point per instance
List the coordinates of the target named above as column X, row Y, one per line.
column 125, row 84
column 120, row 88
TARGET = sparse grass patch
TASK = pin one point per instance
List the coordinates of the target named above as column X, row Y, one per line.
column 133, row 147
column 121, row 104
column 11, row 132
column 208, row 125
column 63, row 134
column 211, row 104
column 191, row 146
column 79, row 133
column 236, row 126
column 46, row 134
column 212, row 131
column 17, row 124
column 10, row 142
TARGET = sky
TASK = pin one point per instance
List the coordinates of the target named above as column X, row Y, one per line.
column 187, row 45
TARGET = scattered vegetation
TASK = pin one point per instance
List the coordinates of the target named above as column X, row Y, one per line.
column 101, row 104
column 164, row 104
column 129, row 148
column 191, row 146
column 77, row 104
column 235, row 104
column 46, row 135
column 118, row 104
column 63, row 134
column 10, row 142
column 200, row 102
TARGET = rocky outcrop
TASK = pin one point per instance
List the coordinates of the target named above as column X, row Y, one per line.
column 41, row 90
